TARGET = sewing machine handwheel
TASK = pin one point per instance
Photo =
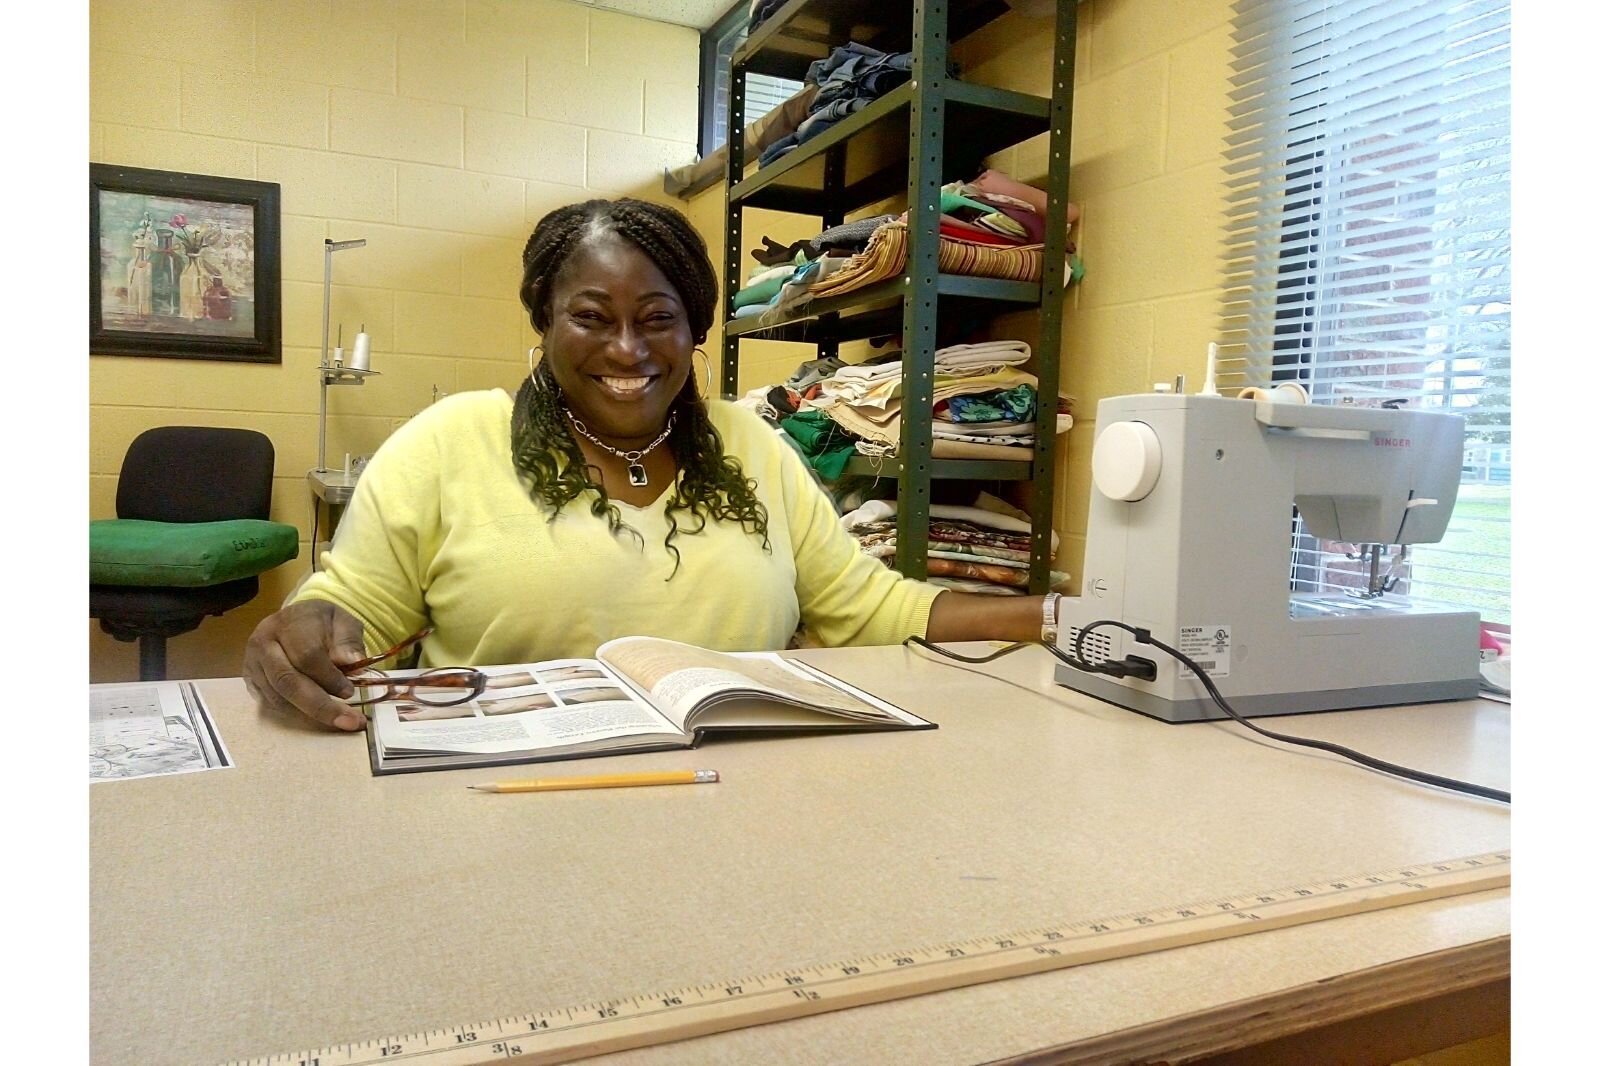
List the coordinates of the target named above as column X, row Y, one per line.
column 1127, row 461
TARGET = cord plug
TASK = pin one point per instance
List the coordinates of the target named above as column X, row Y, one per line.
column 1140, row 668
column 1134, row 666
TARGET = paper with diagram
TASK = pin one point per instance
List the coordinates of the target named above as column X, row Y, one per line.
column 149, row 728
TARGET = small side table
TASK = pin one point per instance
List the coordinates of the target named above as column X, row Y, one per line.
column 334, row 489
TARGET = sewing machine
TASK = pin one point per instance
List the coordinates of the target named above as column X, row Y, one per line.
column 1189, row 536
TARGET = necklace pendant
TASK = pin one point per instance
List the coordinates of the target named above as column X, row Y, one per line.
column 636, row 475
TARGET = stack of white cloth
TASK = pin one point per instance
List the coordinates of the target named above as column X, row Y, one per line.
column 959, row 360
column 865, row 399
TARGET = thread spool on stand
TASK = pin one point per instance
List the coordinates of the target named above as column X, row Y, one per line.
column 335, row 372
column 334, row 487
column 361, row 354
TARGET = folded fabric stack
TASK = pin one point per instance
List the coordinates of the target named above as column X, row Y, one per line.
column 984, row 406
column 994, row 202
column 851, row 77
column 761, row 289
column 998, row 417
column 991, row 227
column 885, row 257
column 983, row 548
column 787, row 272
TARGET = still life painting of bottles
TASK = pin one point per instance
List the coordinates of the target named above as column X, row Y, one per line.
column 175, row 265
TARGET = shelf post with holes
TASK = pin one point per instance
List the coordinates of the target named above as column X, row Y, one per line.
column 1052, row 295
column 930, row 60
column 733, row 220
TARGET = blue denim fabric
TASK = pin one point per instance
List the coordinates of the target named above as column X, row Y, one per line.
column 863, row 77
column 850, row 78
column 778, row 148
column 824, row 67
column 826, row 116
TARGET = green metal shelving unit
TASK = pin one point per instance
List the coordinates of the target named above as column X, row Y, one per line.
column 929, row 131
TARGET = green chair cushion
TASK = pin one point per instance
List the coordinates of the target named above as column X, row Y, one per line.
column 129, row 551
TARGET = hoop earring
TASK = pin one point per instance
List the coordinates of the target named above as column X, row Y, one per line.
column 535, row 348
column 706, row 360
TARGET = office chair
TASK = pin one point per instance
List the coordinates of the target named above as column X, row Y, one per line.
column 190, row 536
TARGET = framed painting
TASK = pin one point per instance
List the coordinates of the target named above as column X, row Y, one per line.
column 183, row 266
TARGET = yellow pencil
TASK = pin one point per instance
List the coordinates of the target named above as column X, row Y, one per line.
column 554, row 784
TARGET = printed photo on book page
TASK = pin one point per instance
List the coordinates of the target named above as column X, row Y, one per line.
column 150, row 728
column 555, row 704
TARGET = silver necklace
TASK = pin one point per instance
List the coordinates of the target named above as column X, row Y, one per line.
column 636, row 475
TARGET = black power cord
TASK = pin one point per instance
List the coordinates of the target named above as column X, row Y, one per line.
column 1145, row 670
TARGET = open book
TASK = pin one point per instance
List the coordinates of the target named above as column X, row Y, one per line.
column 637, row 694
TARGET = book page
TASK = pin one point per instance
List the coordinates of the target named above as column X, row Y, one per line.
column 560, row 704
column 680, row 678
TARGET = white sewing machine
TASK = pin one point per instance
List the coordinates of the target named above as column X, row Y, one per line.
column 1189, row 537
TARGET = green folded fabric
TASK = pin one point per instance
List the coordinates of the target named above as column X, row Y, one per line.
column 949, row 200
column 759, row 293
column 129, row 551
column 827, row 446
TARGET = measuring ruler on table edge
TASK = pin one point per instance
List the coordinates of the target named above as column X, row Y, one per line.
column 569, row 1033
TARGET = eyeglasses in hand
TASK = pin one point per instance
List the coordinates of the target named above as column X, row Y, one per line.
column 448, row 686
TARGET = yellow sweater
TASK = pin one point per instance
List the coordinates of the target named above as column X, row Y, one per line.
column 441, row 530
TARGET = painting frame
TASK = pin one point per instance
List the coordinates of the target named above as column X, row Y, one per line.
column 186, row 317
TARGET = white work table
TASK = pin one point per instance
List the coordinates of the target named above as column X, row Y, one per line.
column 297, row 901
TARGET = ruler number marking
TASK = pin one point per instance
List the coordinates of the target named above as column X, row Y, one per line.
column 602, row 1014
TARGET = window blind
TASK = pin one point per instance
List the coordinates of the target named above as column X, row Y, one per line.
column 762, row 92
column 1368, row 246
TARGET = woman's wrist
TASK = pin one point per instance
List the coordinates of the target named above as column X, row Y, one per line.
column 966, row 616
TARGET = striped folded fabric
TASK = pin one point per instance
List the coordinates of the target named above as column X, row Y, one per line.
column 1024, row 262
column 885, row 256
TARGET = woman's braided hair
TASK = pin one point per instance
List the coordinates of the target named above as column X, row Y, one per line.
column 712, row 484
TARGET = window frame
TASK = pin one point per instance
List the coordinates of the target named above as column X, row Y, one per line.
column 710, row 41
column 730, row 23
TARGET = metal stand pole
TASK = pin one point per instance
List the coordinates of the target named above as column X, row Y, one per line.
column 322, row 372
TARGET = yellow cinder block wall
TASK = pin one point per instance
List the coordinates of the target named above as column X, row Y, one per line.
column 439, row 131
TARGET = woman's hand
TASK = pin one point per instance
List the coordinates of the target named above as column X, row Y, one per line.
column 291, row 662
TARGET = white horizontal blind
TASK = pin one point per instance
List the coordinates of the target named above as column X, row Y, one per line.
column 1368, row 170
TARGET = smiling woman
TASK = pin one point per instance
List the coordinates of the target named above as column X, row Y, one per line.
column 608, row 499
column 619, row 336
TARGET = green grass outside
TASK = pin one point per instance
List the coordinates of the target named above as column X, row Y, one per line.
column 1481, row 523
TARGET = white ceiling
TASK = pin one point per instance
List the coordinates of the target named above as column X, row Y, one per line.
column 699, row 14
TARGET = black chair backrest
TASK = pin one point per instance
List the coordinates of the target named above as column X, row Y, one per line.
column 196, row 474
